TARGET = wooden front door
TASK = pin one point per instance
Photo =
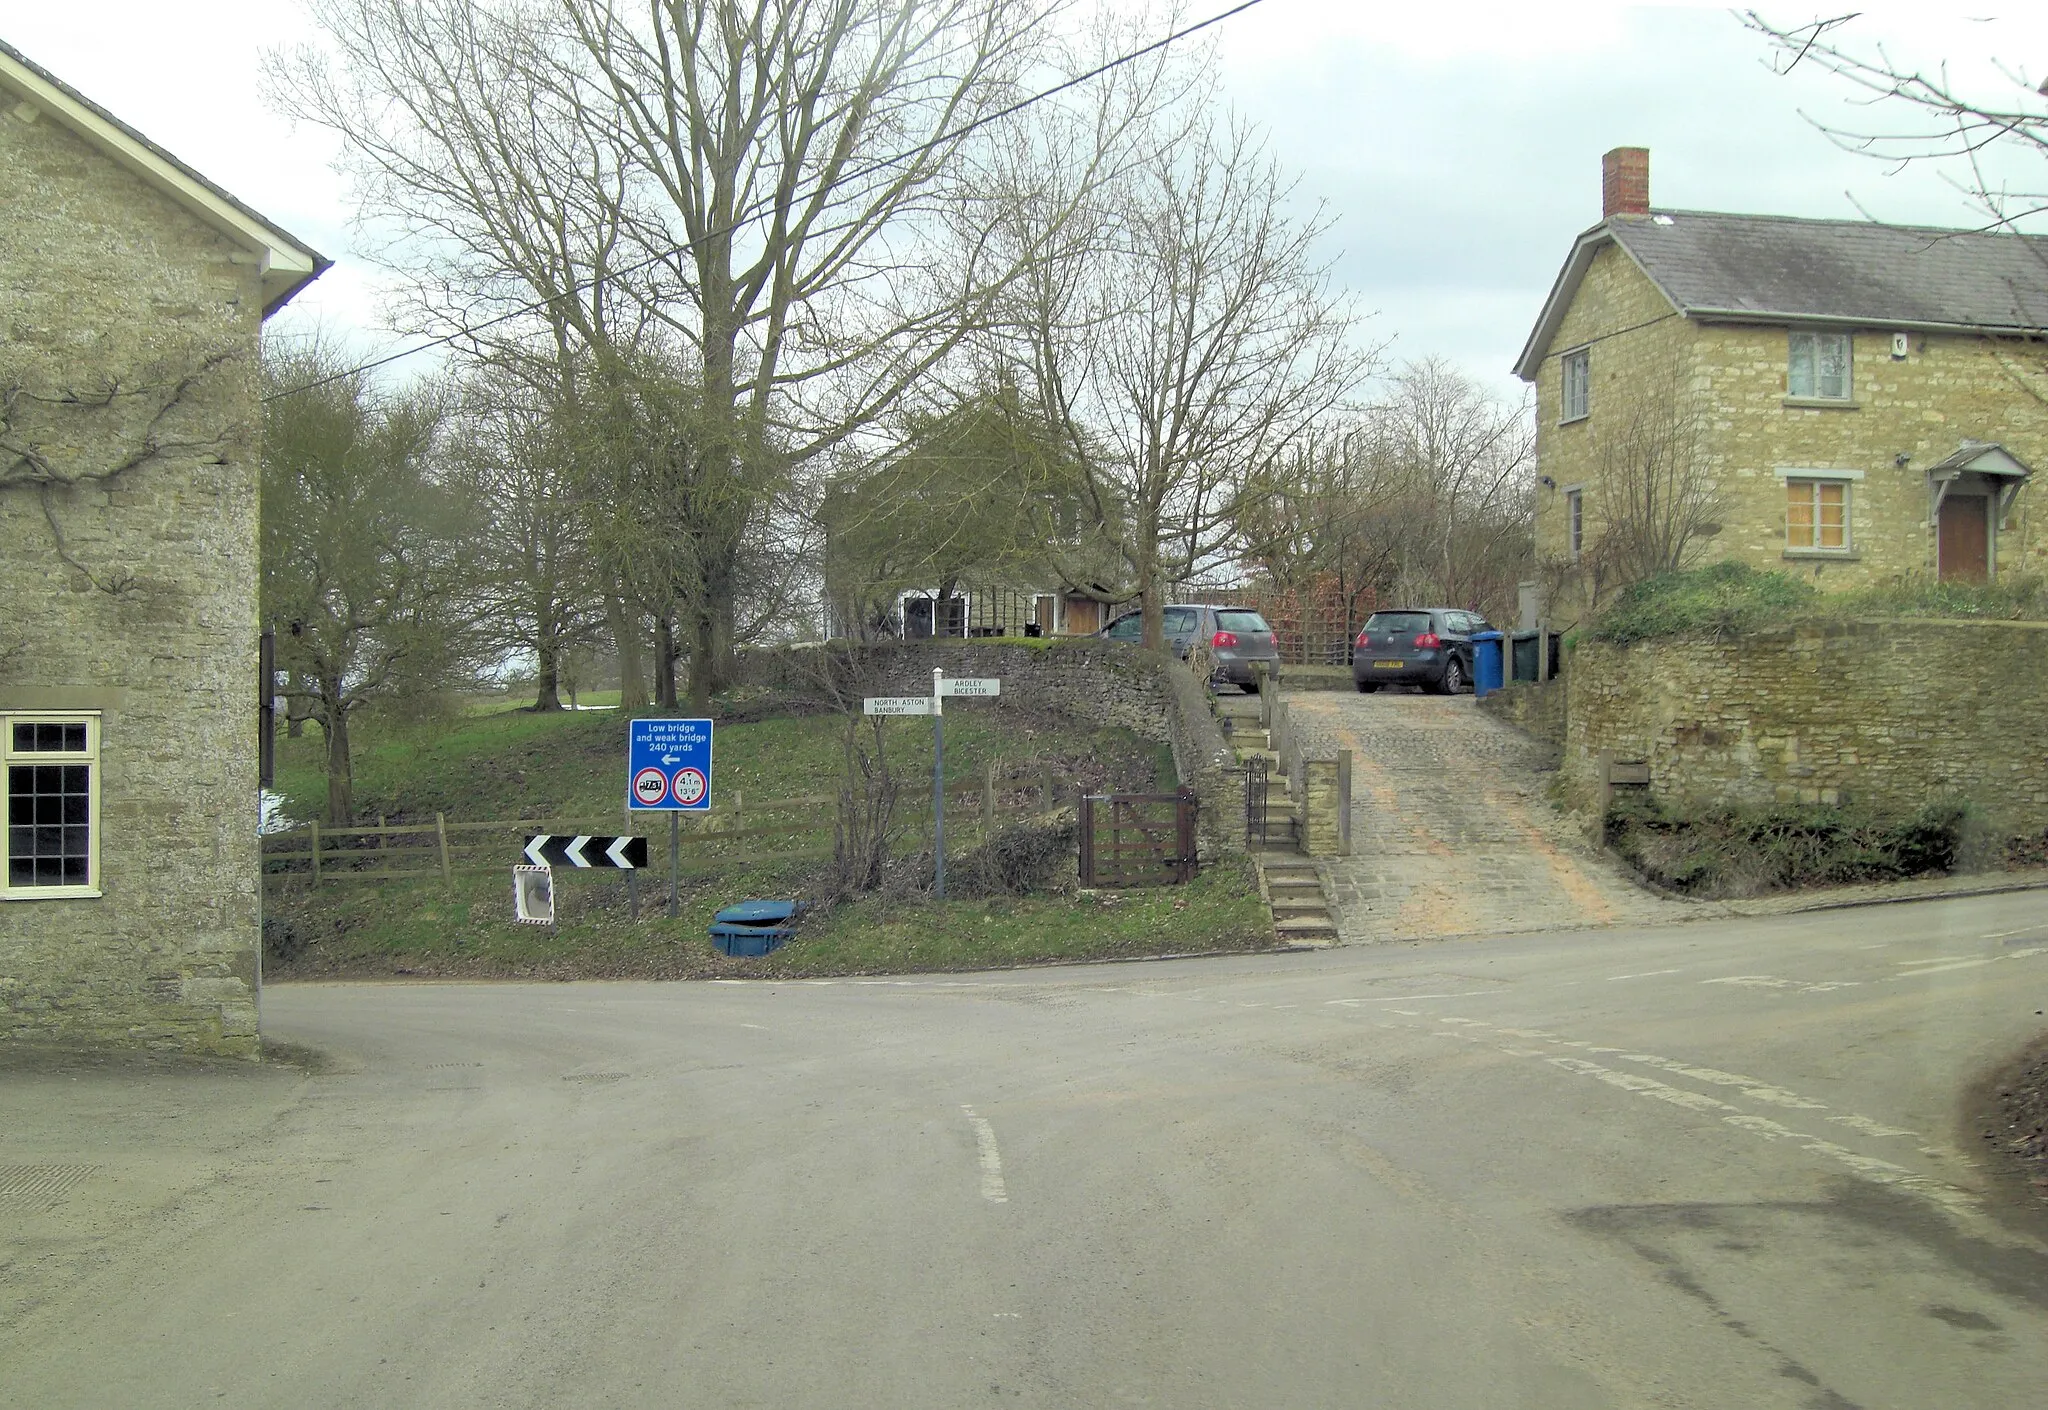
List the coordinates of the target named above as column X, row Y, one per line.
column 1963, row 546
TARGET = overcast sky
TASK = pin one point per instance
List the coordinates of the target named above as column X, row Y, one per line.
column 1456, row 146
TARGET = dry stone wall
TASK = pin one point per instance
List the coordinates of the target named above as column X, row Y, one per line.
column 105, row 283
column 1889, row 714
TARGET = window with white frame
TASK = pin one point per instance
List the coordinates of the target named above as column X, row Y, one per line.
column 1575, row 521
column 1817, row 366
column 1817, row 515
column 51, row 846
column 1576, row 402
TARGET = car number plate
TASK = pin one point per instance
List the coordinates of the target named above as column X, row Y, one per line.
column 1389, row 665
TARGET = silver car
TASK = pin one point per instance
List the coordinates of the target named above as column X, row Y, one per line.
column 1238, row 638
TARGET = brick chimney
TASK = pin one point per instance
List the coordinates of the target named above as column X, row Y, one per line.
column 1625, row 182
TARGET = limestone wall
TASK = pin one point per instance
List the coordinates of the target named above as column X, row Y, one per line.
column 1890, row 714
column 1904, row 414
column 111, row 293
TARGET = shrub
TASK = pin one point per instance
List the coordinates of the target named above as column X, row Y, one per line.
column 1718, row 600
column 1745, row 851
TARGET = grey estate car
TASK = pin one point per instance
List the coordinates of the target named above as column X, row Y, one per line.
column 1426, row 646
column 1238, row 638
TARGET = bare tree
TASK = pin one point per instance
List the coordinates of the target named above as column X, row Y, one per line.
column 535, row 572
column 1654, row 502
column 1181, row 340
column 759, row 180
column 364, row 551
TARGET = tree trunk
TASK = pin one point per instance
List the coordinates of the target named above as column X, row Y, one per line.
column 341, row 783
column 1151, row 608
column 627, row 641
column 704, row 681
column 548, row 684
column 664, row 661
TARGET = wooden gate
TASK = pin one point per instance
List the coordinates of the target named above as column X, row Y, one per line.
column 1137, row 839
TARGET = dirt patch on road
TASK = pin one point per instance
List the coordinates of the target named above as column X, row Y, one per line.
column 2013, row 1121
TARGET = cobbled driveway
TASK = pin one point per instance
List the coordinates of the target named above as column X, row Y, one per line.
column 1451, row 829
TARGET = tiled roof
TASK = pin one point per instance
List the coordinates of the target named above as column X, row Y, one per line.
column 1854, row 271
column 1780, row 269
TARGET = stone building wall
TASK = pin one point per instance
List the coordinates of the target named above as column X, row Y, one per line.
column 1948, row 388
column 104, row 283
column 1889, row 714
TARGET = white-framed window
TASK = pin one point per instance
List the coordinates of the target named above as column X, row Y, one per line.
column 51, row 846
column 1576, row 402
column 1574, row 521
column 1817, row 366
column 1817, row 515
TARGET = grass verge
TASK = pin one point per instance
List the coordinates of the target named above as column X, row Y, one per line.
column 403, row 929
column 1727, row 599
column 509, row 763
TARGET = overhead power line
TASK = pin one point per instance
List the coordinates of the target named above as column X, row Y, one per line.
column 764, row 203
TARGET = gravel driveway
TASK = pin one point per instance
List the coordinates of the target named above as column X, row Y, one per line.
column 1452, row 831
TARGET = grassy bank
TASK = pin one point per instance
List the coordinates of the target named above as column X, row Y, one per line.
column 504, row 763
column 1734, row 852
column 1726, row 599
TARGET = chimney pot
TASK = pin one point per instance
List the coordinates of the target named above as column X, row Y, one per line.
column 1625, row 182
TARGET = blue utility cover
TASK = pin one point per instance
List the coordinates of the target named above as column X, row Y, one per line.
column 668, row 766
column 759, row 912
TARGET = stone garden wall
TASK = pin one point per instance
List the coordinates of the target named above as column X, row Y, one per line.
column 1885, row 713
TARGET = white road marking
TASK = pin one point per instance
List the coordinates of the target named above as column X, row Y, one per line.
column 1771, row 981
column 1948, row 964
column 1881, row 1172
column 762, row 1026
column 1646, row 974
column 1751, row 1087
column 991, row 1158
column 2002, row 934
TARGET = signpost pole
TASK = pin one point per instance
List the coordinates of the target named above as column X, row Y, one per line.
column 939, row 782
column 675, row 859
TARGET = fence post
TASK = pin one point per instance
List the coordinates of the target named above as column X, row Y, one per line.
column 1087, row 820
column 440, row 836
column 1606, row 785
column 1542, row 652
column 316, row 851
column 380, row 832
column 1050, row 784
column 1343, row 802
column 988, row 801
column 1268, row 688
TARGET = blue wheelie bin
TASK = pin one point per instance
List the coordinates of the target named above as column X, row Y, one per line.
column 1486, row 662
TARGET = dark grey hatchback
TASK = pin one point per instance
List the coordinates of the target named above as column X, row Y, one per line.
column 1238, row 638
column 1425, row 646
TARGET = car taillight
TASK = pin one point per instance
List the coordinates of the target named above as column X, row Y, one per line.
column 1223, row 639
column 1429, row 640
column 1362, row 641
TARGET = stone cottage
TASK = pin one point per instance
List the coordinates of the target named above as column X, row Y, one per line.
column 132, row 295
column 1852, row 402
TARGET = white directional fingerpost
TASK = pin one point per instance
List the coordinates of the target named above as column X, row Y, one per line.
column 935, row 706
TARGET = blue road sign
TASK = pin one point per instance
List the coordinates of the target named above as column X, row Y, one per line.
column 668, row 766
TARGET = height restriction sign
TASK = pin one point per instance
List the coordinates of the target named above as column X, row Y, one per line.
column 668, row 765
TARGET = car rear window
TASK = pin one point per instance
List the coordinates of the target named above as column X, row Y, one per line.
column 1241, row 622
column 1398, row 622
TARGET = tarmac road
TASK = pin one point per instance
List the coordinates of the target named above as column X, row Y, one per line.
column 1713, row 1165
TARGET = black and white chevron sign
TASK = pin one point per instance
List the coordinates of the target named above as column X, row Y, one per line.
column 553, row 849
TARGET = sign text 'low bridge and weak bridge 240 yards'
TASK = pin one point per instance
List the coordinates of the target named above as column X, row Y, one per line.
column 668, row 766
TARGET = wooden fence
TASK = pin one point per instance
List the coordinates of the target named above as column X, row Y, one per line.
column 713, row 841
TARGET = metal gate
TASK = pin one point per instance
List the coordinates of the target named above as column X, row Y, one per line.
column 1137, row 839
column 1257, row 773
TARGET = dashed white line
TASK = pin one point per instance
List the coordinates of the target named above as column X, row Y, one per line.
column 992, row 1188
column 1646, row 974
